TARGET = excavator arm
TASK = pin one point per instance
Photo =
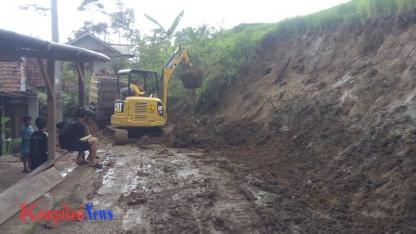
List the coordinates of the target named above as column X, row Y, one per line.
column 168, row 69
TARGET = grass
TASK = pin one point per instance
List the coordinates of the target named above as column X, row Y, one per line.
column 224, row 55
column 230, row 51
column 353, row 10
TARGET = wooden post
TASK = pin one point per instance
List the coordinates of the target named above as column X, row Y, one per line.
column 51, row 108
column 45, row 77
column 58, row 64
column 81, row 84
column 2, row 126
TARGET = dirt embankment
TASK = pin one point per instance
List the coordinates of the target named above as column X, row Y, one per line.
column 330, row 115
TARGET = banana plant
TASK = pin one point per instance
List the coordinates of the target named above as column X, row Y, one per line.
column 166, row 34
column 3, row 130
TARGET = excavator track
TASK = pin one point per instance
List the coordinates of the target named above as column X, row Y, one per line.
column 119, row 136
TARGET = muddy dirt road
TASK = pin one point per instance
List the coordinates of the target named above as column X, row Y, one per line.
column 165, row 190
column 158, row 189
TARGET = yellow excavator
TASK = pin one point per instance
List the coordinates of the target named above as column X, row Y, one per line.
column 148, row 109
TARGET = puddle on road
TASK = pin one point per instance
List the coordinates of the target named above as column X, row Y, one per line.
column 108, row 182
column 132, row 218
column 122, row 177
column 194, row 154
column 262, row 197
column 132, row 182
column 188, row 172
column 66, row 171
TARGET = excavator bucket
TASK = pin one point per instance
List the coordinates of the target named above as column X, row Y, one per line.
column 192, row 78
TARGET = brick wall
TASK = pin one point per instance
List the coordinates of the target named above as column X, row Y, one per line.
column 10, row 76
column 13, row 73
column 33, row 74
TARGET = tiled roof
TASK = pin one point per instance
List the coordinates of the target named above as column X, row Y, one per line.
column 91, row 42
column 123, row 48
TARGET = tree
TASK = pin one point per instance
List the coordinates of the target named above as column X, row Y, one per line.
column 122, row 22
column 100, row 28
column 95, row 29
column 91, row 4
column 37, row 8
column 156, row 48
column 163, row 34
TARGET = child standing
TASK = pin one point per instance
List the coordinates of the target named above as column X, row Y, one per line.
column 25, row 134
column 39, row 144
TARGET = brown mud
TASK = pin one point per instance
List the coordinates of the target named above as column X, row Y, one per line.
column 167, row 190
column 318, row 136
column 329, row 115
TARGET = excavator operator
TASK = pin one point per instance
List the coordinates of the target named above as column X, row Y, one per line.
column 135, row 88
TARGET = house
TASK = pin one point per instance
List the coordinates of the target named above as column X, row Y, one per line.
column 18, row 95
column 103, row 74
column 115, row 51
column 19, row 81
column 17, row 53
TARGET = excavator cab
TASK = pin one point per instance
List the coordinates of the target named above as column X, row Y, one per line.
column 147, row 82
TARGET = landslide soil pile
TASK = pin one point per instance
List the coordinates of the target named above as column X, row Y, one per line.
column 329, row 114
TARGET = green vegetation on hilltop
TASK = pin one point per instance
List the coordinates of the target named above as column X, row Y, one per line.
column 222, row 54
column 353, row 10
column 222, row 57
column 218, row 53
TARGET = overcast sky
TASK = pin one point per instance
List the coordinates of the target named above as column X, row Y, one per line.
column 217, row 13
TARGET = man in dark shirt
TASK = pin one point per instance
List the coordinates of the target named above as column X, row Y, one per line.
column 77, row 137
column 39, row 144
